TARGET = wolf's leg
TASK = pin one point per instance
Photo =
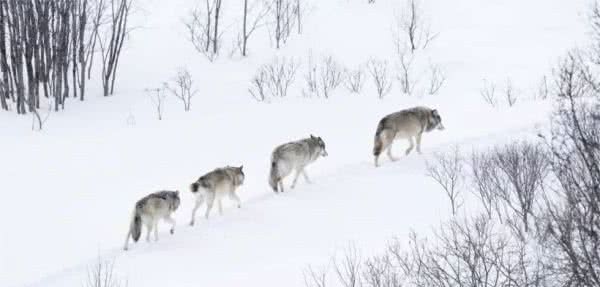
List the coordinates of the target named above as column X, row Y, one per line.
column 280, row 183
column 199, row 202
column 306, row 176
column 149, row 226
column 155, row 229
column 298, row 171
column 384, row 142
column 419, row 142
column 209, row 203
column 220, row 206
column 169, row 219
column 389, row 153
column 411, row 145
column 235, row 198
column 125, row 247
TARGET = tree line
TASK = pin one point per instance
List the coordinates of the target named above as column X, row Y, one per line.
column 48, row 48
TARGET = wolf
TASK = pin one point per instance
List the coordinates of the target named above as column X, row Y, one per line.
column 294, row 156
column 214, row 185
column 149, row 210
column 407, row 124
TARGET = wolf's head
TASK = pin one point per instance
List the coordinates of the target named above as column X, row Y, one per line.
column 320, row 144
column 239, row 174
column 434, row 121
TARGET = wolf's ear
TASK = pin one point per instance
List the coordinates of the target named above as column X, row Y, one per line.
column 177, row 192
column 434, row 112
column 311, row 136
column 241, row 167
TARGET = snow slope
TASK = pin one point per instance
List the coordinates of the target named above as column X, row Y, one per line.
column 69, row 190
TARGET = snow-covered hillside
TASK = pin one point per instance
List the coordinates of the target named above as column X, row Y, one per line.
column 69, row 189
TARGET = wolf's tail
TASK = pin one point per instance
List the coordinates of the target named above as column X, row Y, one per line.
column 274, row 176
column 136, row 224
column 378, row 142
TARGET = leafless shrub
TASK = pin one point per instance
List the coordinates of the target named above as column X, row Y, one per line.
column 482, row 169
column 324, row 78
column 354, row 80
column 312, row 79
column 348, row 267
column 381, row 78
column 157, row 96
column 274, row 79
column 102, row 274
column 436, row 80
column 331, row 75
column 512, row 176
column 412, row 29
column 488, row 93
column 182, row 88
column 315, row 278
column 447, row 171
column 509, row 93
column 473, row 252
column 203, row 26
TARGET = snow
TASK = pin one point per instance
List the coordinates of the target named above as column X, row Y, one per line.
column 69, row 189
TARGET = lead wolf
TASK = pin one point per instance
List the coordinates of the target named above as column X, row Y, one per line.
column 408, row 124
column 149, row 210
column 294, row 156
column 215, row 185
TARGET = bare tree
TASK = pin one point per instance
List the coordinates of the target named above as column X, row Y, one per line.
column 283, row 22
column 379, row 72
column 543, row 89
column 488, row 93
column 111, row 42
column 447, row 171
column 437, row 79
column 157, row 96
column 412, row 29
column 274, row 79
column 573, row 209
column 182, row 88
column 257, row 13
column 203, row 26
column 407, row 83
column 354, row 80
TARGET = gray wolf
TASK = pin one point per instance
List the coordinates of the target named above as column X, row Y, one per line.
column 294, row 156
column 407, row 124
column 215, row 185
column 149, row 210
